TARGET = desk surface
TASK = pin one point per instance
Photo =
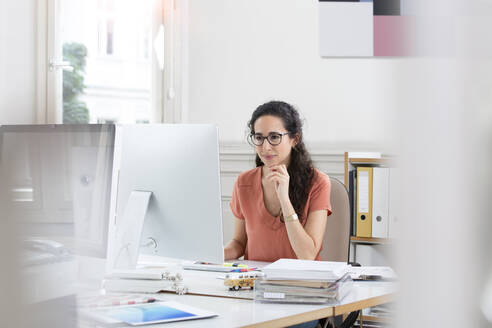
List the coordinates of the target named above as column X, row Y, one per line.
column 234, row 312
column 247, row 313
column 237, row 309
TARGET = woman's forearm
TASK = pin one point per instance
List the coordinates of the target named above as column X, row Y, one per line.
column 302, row 244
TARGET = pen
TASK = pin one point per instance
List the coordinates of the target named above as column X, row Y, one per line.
column 205, row 263
column 124, row 302
column 237, row 265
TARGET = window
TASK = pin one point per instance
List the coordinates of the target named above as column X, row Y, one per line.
column 116, row 52
column 108, row 44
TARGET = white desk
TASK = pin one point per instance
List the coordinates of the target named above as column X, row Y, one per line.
column 247, row 313
column 237, row 312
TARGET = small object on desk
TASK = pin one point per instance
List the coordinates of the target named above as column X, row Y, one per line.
column 207, row 266
column 370, row 277
column 238, row 265
column 372, row 273
column 114, row 300
column 239, row 281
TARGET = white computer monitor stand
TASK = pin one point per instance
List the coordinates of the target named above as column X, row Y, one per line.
column 125, row 248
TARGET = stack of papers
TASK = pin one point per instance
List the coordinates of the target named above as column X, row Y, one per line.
column 303, row 281
column 301, row 291
column 292, row 269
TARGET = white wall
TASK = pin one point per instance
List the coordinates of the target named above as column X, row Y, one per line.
column 240, row 54
column 243, row 53
column 17, row 61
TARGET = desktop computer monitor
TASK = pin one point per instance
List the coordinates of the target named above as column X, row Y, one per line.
column 55, row 185
column 58, row 180
column 165, row 194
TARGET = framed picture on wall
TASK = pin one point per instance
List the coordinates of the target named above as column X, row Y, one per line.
column 365, row 28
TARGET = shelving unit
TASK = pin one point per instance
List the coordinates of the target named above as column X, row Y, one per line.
column 370, row 241
column 351, row 163
column 371, row 321
column 368, row 250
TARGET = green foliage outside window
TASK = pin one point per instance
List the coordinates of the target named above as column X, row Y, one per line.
column 74, row 110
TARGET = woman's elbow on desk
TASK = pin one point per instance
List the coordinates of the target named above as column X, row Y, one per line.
column 308, row 255
column 308, row 248
column 233, row 250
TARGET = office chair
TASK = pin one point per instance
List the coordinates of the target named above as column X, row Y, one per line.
column 337, row 236
column 336, row 243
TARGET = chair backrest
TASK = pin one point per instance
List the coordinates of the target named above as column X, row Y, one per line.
column 337, row 235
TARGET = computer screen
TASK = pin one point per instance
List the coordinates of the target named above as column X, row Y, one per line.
column 179, row 165
column 58, row 179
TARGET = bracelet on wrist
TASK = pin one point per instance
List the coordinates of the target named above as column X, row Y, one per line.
column 291, row 218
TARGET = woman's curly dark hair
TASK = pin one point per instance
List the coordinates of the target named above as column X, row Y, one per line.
column 300, row 169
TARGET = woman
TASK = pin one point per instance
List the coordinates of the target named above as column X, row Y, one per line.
column 281, row 206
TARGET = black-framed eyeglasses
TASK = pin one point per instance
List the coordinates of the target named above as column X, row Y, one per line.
column 273, row 138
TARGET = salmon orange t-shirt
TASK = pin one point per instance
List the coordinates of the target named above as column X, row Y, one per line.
column 267, row 236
